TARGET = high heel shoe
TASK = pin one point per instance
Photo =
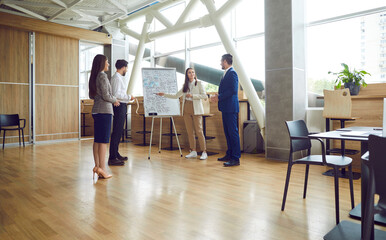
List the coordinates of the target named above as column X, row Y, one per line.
column 94, row 171
column 102, row 174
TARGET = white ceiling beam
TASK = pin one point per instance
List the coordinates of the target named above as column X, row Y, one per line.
column 226, row 8
column 117, row 16
column 72, row 22
column 161, row 18
column 108, row 20
column 183, row 27
column 85, row 16
column 64, row 10
column 26, row 11
column 188, row 9
column 60, row 3
column 131, row 33
column 119, row 6
column 145, row 11
column 95, row 9
column 31, row 4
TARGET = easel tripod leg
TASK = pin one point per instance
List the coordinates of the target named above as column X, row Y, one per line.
column 160, row 135
column 175, row 131
column 151, row 136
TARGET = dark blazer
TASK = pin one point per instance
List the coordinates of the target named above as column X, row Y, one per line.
column 228, row 100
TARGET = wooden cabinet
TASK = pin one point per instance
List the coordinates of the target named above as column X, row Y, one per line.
column 86, row 121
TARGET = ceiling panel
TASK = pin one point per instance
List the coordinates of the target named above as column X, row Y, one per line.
column 84, row 14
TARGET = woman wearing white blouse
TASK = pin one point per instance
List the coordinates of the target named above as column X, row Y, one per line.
column 192, row 109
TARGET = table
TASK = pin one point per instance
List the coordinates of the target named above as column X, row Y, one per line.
column 342, row 150
column 358, row 211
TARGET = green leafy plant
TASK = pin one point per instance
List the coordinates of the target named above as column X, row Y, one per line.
column 347, row 76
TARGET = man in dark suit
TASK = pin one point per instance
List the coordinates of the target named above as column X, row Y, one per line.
column 228, row 104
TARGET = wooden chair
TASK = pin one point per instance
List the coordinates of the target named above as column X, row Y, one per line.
column 11, row 122
column 299, row 141
column 338, row 106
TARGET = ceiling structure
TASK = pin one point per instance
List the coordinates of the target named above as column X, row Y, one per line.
column 87, row 14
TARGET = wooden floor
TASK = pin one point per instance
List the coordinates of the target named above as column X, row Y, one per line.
column 47, row 192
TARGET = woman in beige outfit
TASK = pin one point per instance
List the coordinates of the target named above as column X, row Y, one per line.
column 192, row 92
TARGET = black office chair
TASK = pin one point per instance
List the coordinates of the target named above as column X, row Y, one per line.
column 299, row 141
column 11, row 122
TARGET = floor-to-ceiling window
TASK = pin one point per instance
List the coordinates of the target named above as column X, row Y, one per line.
column 87, row 53
column 347, row 31
column 202, row 46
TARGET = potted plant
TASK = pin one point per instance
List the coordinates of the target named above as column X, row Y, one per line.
column 351, row 79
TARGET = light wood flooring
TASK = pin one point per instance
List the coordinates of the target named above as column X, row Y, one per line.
column 47, row 192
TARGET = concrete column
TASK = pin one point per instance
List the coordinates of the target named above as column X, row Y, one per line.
column 285, row 81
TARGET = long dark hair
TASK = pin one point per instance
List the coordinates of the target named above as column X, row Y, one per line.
column 98, row 65
column 186, row 84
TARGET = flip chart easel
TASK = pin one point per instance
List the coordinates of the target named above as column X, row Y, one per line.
column 160, row 133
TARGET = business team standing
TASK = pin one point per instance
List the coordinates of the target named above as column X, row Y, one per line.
column 228, row 104
column 105, row 97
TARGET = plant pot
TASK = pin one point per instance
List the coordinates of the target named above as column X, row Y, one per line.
column 354, row 89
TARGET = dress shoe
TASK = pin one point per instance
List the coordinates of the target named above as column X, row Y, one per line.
column 122, row 158
column 231, row 163
column 225, row 158
column 116, row 162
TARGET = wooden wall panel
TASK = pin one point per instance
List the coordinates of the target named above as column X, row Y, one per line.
column 14, row 99
column 13, row 55
column 14, row 88
column 57, row 91
column 57, row 60
column 57, row 112
column 36, row 25
column 56, row 137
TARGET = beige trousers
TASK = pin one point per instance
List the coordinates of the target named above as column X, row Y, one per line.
column 193, row 123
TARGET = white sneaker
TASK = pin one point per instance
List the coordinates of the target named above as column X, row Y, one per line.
column 192, row 154
column 204, row 156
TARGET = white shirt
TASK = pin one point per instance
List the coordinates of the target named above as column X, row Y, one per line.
column 191, row 86
column 225, row 71
column 119, row 89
